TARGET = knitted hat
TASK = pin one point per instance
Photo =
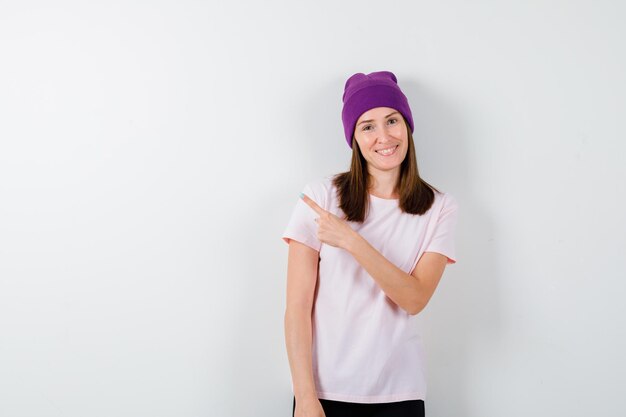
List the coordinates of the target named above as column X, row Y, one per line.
column 363, row 92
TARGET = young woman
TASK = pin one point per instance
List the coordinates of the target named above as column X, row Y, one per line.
column 367, row 249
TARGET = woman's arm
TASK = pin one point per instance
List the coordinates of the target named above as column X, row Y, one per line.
column 301, row 281
column 409, row 291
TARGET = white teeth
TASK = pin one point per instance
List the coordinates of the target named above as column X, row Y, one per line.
column 387, row 151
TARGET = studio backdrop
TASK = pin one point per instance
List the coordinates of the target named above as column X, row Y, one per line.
column 152, row 152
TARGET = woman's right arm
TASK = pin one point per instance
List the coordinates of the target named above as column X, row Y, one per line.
column 301, row 280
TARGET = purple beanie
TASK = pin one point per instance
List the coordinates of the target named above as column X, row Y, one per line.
column 363, row 92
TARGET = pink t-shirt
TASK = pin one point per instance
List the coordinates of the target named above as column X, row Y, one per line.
column 367, row 349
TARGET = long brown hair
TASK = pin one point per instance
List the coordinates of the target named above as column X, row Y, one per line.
column 416, row 195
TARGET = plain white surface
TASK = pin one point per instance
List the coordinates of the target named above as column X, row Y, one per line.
column 151, row 153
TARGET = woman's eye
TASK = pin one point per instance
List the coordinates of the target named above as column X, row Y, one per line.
column 395, row 120
column 366, row 127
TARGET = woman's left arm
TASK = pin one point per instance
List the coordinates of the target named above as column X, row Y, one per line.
column 409, row 291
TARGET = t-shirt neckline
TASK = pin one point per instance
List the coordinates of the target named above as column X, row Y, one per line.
column 373, row 197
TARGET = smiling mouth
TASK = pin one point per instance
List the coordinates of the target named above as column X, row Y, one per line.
column 388, row 151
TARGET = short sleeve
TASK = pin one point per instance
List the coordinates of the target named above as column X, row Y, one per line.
column 302, row 226
column 443, row 238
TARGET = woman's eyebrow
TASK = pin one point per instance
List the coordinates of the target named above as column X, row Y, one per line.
column 367, row 121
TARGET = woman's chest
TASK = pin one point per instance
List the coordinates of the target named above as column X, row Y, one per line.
column 396, row 235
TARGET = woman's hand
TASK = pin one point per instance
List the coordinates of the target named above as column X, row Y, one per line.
column 331, row 229
column 309, row 407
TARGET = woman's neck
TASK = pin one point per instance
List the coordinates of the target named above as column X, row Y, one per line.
column 383, row 184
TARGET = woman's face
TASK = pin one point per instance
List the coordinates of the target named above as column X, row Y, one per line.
column 382, row 138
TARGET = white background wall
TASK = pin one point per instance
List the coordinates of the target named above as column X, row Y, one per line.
column 151, row 153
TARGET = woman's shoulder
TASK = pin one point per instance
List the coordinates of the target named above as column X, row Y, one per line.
column 445, row 201
column 322, row 184
column 321, row 190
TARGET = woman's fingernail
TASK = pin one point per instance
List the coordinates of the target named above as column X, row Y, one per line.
column 301, row 195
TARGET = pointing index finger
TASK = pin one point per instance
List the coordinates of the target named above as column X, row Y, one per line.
column 312, row 204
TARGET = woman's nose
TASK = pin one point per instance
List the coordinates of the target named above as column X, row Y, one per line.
column 383, row 136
